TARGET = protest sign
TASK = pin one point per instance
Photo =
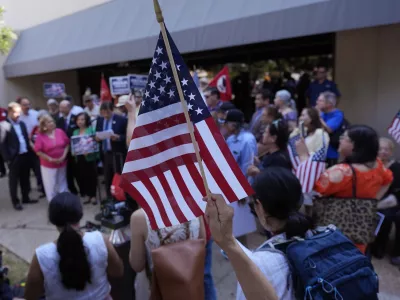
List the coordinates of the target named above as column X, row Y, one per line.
column 53, row 90
column 137, row 81
column 120, row 85
column 84, row 144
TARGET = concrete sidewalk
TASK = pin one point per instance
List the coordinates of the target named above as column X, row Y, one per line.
column 22, row 232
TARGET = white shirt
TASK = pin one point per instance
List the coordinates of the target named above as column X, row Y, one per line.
column 97, row 255
column 94, row 113
column 30, row 120
column 274, row 265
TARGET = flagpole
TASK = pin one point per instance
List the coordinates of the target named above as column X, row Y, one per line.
column 160, row 20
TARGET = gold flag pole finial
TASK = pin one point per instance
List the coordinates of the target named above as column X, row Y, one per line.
column 158, row 11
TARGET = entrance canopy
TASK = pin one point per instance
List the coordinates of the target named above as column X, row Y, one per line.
column 126, row 30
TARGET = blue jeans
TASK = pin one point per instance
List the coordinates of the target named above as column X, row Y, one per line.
column 209, row 287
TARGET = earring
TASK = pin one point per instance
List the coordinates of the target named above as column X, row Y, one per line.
column 44, row 128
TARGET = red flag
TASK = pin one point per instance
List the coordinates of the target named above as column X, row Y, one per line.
column 105, row 95
column 223, row 84
column 161, row 171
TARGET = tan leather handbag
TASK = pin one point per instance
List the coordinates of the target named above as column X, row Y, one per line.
column 178, row 269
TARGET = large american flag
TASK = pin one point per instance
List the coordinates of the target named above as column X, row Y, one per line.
column 309, row 171
column 394, row 129
column 161, row 171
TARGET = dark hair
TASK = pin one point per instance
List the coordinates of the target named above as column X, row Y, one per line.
column 265, row 94
column 107, row 106
column 214, row 91
column 315, row 118
column 280, row 129
column 65, row 210
column 280, row 194
column 366, row 144
column 88, row 121
column 274, row 113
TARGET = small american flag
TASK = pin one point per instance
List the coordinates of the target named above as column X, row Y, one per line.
column 394, row 129
column 294, row 157
column 161, row 171
column 309, row 171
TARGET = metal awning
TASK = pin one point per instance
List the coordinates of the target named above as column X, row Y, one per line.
column 126, row 30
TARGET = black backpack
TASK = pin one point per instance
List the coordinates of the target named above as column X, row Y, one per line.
column 334, row 137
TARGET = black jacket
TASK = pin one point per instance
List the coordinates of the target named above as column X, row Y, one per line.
column 9, row 142
column 119, row 124
column 60, row 123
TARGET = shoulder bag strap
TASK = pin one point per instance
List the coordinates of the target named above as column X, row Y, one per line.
column 354, row 181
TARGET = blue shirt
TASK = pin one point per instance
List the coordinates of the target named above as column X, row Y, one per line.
column 23, row 147
column 316, row 88
column 107, row 125
column 334, row 120
column 244, row 148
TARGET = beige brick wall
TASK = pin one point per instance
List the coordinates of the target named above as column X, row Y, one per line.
column 367, row 66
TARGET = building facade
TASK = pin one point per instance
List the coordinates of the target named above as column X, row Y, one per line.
column 20, row 15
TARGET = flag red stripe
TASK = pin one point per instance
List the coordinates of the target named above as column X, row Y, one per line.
column 155, row 127
column 161, row 168
column 197, row 179
column 186, row 193
column 170, row 196
column 214, row 170
column 129, row 188
column 150, row 187
column 158, row 148
column 223, row 147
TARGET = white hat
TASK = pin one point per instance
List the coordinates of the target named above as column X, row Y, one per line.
column 51, row 101
column 122, row 100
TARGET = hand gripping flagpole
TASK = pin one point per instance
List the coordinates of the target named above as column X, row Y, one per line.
column 160, row 20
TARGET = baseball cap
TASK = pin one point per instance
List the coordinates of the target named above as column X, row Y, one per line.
column 226, row 106
column 122, row 100
column 234, row 115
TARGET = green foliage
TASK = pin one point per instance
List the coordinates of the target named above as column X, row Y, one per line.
column 7, row 36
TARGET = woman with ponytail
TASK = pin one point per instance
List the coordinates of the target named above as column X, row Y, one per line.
column 277, row 200
column 77, row 264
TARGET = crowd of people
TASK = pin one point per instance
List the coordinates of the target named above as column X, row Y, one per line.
column 45, row 142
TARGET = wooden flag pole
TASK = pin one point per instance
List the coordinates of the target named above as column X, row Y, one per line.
column 160, row 20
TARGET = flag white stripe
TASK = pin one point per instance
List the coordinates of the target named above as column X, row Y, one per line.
column 159, row 114
column 164, row 199
column 395, row 125
column 152, row 139
column 192, row 187
column 213, row 185
column 150, row 201
column 222, row 164
column 151, row 161
column 179, row 197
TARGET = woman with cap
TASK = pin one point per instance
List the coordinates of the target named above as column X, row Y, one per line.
column 243, row 146
column 287, row 107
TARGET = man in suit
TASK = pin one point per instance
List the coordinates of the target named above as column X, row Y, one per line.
column 14, row 145
column 114, row 148
column 67, row 122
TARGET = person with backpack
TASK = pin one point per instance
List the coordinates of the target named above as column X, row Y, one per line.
column 145, row 241
column 333, row 122
column 299, row 261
